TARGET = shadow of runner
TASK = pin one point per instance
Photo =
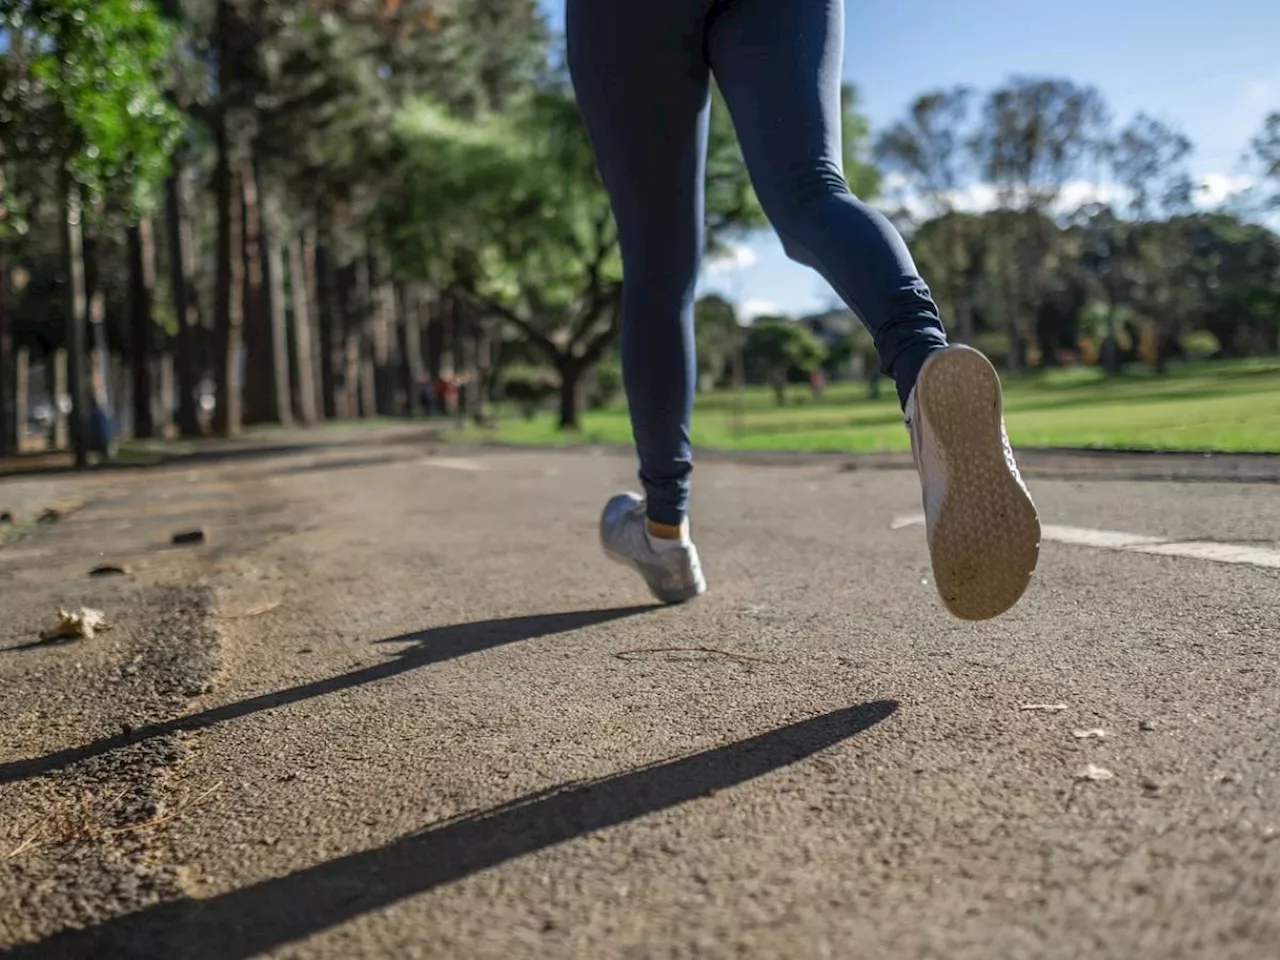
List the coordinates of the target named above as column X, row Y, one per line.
column 267, row 915
column 429, row 646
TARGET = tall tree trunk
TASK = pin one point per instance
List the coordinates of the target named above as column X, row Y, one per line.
column 76, row 307
column 384, row 348
column 182, row 293
column 1013, row 302
column 313, row 297
column 347, row 388
column 259, row 377
column 283, row 407
column 305, row 399
column 409, row 307
column 164, row 377
column 483, row 371
column 21, row 395
column 229, row 282
column 435, row 346
column 10, row 427
column 571, row 384
column 61, row 422
column 327, row 317
column 141, row 327
column 99, row 355
column 366, row 397
column 228, row 294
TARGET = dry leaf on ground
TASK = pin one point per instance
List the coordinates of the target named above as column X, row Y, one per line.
column 1094, row 773
column 1043, row 707
column 81, row 624
column 1096, row 733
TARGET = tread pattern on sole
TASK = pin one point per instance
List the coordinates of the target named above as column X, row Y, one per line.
column 985, row 541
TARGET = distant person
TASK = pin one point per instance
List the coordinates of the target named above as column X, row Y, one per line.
column 427, row 396
column 642, row 72
column 817, row 383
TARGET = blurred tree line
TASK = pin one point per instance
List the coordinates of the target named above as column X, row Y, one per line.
column 1082, row 240
column 1050, row 235
column 216, row 213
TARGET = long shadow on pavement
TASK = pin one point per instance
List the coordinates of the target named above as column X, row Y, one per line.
column 429, row 646
column 270, row 914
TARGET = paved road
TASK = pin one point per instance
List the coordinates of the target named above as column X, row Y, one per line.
column 436, row 724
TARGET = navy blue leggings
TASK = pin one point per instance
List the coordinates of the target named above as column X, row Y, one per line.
column 642, row 75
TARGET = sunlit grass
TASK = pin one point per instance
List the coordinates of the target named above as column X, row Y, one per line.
column 1227, row 406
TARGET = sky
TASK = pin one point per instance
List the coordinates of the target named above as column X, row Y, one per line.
column 1212, row 70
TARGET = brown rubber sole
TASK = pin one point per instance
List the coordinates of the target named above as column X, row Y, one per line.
column 986, row 539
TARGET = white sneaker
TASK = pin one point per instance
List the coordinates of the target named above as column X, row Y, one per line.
column 673, row 574
column 983, row 530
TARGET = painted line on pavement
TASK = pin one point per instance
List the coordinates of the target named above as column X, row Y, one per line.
column 454, row 463
column 1138, row 543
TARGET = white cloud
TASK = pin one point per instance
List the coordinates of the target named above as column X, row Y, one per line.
column 1212, row 190
column 1215, row 189
column 735, row 257
column 754, row 307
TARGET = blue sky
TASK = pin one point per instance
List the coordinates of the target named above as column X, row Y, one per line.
column 1211, row 69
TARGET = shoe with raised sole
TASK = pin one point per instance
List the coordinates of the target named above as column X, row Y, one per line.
column 673, row 575
column 982, row 526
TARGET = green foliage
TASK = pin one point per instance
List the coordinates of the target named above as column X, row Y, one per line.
column 1148, row 158
column 931, row 149
column 528, row 387
column 776, row 346
column 81, row 85
column 718, row 335
column 859, row 164
column 1266, row 148
column 606, row 386
column 732, row 205
column 508, row 213
column 1201, row 345
column 1036, row 134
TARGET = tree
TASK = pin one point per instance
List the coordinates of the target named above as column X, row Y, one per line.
column 1036, row 135
column 1266, row 149
column 775, row 346
column 1106, row 261
column 81, row 87
column 509, row 216
column 719, row 337
column 860, row 169
column 932, row 150
column 1148, row 158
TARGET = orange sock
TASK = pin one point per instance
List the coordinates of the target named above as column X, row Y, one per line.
column 665, row 531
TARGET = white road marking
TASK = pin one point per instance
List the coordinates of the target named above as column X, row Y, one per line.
column 454, row 463
column 1139, row 543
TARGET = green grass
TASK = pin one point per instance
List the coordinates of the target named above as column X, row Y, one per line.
column 1230, row 406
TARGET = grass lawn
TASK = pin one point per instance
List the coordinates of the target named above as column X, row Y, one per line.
column 1225, row 405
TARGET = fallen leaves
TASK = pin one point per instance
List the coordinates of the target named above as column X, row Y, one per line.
column 82, row 624
column 1043, row 707
column 89, row 817
column 252, row 612
column 1096, row 733
column 1093, row 773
